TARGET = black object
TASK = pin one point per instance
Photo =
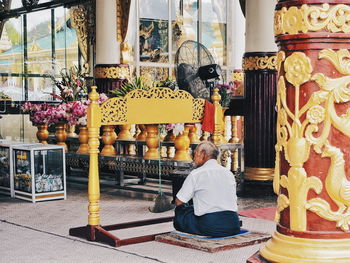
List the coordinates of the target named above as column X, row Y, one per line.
column 178, row 177
column 194, row 65
column 209, row 71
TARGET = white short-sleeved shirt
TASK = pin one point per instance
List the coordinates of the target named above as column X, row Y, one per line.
column 212, row 187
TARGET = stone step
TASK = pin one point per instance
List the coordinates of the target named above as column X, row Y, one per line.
column 147, row 191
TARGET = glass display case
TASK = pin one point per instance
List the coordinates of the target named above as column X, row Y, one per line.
column 6, row 167
column 39, row 172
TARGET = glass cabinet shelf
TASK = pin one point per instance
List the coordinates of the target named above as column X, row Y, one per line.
column 6, row 165
column 39, row 172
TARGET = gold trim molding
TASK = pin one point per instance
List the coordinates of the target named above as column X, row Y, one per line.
column 258, row 174
column 112, row 72
column 259, row 63
column 288, row 249
column 313, row 18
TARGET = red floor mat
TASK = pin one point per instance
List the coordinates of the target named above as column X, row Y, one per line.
column 267, row 213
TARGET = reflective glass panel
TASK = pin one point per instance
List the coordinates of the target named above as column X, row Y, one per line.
column 16, row 4
column 11, row 47
column 214, row 21
column 39, row 41
column 12, row 86
column 154, row 74
column 184, row 22
column 39, row 89
column 154, row 30
column 66, row 41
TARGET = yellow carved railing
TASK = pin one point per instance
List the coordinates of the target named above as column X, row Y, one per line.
column 157, row 105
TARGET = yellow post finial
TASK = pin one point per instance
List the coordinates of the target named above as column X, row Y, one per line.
column 93, row 95
column 94, row 124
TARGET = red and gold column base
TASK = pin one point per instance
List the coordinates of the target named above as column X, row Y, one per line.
column 258, row 174
column 289, row 249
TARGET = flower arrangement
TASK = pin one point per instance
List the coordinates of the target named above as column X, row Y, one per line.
column 177, row 128
column 38, row 113
column 226, row 92
column 71, row 85
column 83, row 119
column 68, row 112
column 46, row 114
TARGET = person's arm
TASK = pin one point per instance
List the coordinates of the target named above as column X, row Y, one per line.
column 186, row 192
column 178, row 202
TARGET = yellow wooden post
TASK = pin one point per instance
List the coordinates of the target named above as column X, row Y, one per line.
column 94, row 124
column 218, row 118
column 182, row 144
column 152, row 142
column 193, row 134
column 108, row 138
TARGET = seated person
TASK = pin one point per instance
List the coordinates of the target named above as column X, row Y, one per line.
column 213, row 190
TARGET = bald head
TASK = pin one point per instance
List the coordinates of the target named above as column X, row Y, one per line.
column 209, row 149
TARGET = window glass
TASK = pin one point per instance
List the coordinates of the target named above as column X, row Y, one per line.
column 11, row 47
column 214, row 21
column 66, row 41
column 43, row 56
column 16, row 4
column 44, row 1
column 184, row 22
column 12, row 86
column 39, row 88
column 153, row 31
column 39, row 44
column 152, row 74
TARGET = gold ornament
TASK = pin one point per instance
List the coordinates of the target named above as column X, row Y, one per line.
column 312, row 18
column 79, row 18
column 298, row 68
column 259, row 63
column 112, row 73
column 296, row 138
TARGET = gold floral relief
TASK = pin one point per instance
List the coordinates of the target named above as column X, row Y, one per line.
column 158, row 93
column 259, row 63
column 296, row 137
column 312, row 18
column 112, row 73
column 79, row 18
column 113, row 111
column 198, row 109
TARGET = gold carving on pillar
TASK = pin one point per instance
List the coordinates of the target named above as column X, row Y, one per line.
column 337, row 185
column 307, row 18
column 280, row 130
column 112, row 72
column 298, row 137
column 259, row 63
column 296, row 148
column 79, row 19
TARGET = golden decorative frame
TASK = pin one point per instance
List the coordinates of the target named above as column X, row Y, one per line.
column 112, row 72
column 313, row 18
column 260, row 63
